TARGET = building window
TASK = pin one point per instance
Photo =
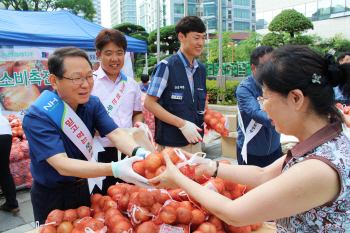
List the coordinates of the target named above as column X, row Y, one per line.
column 191, row 9
column 242, row 26
column 324, row 7
column 230, row 26
column 311, row 11
column 229, row 14
column 242, row 2
column 253, row 14
column 253, row 28
column 242, row 13
column 338, row 6
column 178, row 8
column 176, row 19
column 210, row 9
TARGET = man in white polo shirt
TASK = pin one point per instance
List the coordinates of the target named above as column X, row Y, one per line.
column 110, row 82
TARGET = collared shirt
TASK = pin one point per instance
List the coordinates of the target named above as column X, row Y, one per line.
column 160, row 75
column 104, row 87
column 46, row 139
column 331, row 146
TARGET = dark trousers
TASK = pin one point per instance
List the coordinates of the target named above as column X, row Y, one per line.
column 110, row 154
column 45, row 199
column 6, row 180
column 260, row 161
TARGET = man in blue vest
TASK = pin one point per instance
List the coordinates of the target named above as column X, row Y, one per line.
column 259, row 143
column 178, row 91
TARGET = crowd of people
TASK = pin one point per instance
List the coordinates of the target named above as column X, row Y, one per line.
column 292, row 90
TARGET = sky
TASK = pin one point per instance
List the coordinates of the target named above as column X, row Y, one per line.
column 105, row 13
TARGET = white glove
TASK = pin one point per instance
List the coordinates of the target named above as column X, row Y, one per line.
column 123, row 170
column 190, row 131
column 141, row 152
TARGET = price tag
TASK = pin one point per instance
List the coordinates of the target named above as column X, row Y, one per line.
column 211, row 187
column 165, row 228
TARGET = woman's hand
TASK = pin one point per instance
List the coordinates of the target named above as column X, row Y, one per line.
column 203, row 168
column 169, row 177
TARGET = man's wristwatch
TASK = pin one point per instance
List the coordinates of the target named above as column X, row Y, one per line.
column 135, row 150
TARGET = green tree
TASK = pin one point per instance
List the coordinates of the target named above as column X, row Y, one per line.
column 338, row 43
column 129, row 28
column 74, row 6
column 226, row 47
column 246, row 47
column 286, row 28
column 168, row 39
column 137, row 32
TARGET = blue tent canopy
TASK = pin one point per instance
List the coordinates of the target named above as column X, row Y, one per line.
column 53, row 29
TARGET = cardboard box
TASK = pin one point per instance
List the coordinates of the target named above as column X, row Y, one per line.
column 233, row 122
column 229, row 146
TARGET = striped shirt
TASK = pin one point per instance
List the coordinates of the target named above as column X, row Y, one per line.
column 160, row 75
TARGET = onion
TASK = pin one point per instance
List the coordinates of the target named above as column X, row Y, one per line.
column 184, row 215
column 168, row 215
column 207, row 118
column 141, row 214
column 83, row 211
column 69, row 216
column 155, row 208
column 213, row 122
column 146, row 199
column 217, row 222
column 139, row 167
column 152, row 162
column 102, row 201
column 55, row 216
column 65, row 227
column 94, row 199
column 121, row 226
column 146, row 227
column 197, row 217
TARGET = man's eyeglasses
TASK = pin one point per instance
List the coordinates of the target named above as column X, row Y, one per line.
column 261, row 100
column 79, row 81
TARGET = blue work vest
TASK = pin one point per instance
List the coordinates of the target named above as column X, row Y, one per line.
column 177, row 99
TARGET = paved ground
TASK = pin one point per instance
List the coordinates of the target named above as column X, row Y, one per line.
column 24, row 220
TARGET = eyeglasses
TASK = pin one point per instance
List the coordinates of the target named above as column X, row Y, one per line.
column 261, row 100
column 79, row 81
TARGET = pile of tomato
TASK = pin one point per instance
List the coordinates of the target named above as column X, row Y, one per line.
column 19, row 156
column 129, row 208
